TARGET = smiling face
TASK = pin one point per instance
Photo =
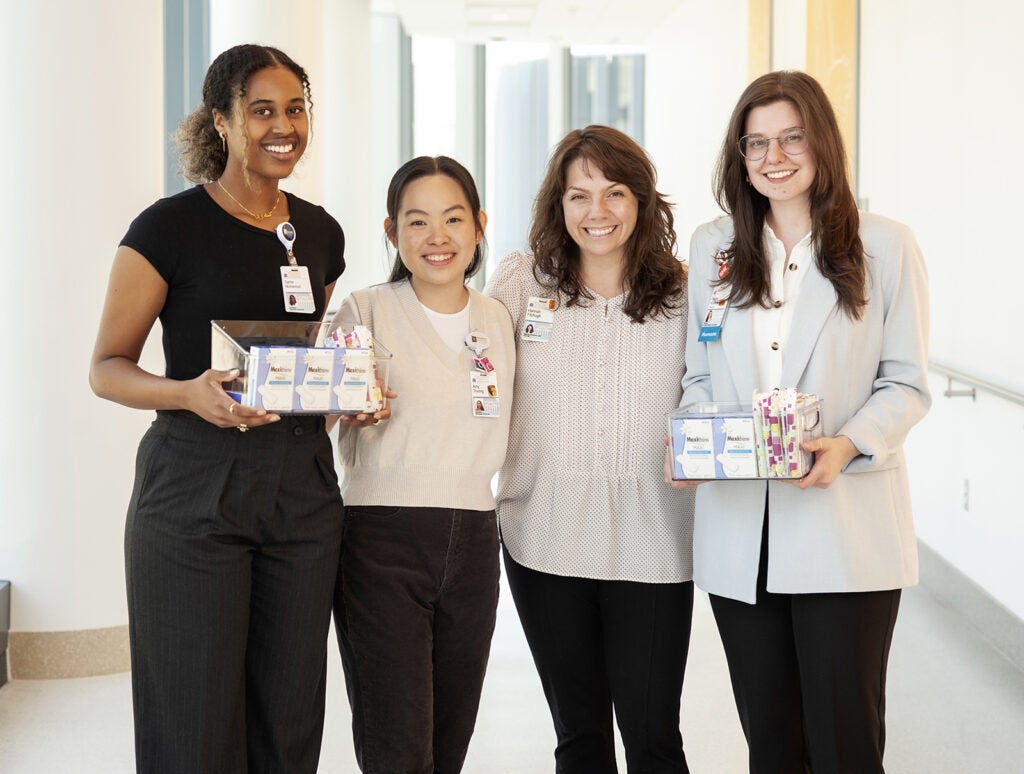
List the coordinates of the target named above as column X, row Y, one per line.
column 269, row 130
column 784, row 179
column 600, row 215
column 435, row 235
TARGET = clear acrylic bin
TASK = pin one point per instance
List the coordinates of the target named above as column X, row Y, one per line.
column 712, row 441
column 285, row 367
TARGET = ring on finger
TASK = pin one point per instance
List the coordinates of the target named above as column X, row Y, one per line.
column 231, row 408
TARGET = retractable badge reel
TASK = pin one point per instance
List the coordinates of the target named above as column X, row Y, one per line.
column 286, row 233
column 483, row 379
column 295, row 284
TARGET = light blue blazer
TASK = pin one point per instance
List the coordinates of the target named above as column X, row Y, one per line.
column 857, row 535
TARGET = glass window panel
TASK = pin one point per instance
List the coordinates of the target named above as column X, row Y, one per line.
column 607, row 87
column 517, row 140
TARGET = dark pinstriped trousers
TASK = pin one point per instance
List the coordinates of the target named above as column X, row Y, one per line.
column 231, row 554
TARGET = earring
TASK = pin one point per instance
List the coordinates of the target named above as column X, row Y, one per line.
column 224, row 142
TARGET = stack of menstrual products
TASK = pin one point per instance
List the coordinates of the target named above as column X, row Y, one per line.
column 777, row 419
column 302, row 368
column 733, row 441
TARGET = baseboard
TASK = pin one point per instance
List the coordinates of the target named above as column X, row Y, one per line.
column 5, row 625
column 84, row 653
column 995, row 622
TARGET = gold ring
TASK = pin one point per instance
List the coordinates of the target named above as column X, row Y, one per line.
column 231, row 408
column 243, row 428
column 377, row 422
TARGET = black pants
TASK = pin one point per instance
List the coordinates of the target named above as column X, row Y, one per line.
column 603, row 644
column 231, row 548
column 414, row 611
column 808, row 673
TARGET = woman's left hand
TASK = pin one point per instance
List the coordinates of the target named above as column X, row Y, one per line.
column 830, row 457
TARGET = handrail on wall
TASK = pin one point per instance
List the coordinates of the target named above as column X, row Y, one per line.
column 974, row 384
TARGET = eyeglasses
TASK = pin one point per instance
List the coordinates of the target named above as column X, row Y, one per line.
column 754, row 147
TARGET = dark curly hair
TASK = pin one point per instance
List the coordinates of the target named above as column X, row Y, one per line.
column 653, row 277
column 425, row 166
column 835, row 221
column 200, row 153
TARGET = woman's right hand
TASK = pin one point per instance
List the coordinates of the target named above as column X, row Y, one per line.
column 205, row 396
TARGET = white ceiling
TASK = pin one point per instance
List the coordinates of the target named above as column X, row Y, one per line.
column 625, row 22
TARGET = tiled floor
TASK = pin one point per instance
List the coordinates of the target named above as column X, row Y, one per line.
column 955, row 706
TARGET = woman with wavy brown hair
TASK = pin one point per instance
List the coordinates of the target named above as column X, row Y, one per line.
column 596, row 548
column 805, row 576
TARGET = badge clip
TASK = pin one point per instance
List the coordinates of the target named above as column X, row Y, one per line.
column 478, row 342
column 286, row 235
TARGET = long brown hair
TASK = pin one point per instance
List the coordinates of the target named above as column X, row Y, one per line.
column 653, row 277
column 834, row 218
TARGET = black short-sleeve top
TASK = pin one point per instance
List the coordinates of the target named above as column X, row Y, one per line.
column 217, row 267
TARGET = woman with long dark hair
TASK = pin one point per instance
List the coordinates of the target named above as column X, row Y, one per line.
column 805, row 576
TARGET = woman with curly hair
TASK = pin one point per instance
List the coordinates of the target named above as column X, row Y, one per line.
column 596, row 548
column 234, row 525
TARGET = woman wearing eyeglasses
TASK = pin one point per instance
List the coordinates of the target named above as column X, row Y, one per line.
column 805, row 576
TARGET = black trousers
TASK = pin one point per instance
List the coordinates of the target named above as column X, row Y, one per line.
column 808, row 674
column 414, row 610
column 231, row 549
column 602, row 644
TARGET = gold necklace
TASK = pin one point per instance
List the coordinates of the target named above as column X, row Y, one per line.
column 254, row 215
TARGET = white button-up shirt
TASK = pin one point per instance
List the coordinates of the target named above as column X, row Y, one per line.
column 771, row 326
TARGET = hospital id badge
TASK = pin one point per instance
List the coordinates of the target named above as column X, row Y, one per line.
column 483, row 393
column 539, row 319
column 298, row 293
column 714, row 315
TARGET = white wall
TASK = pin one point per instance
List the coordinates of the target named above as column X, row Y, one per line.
column 696, row 68
column 789, row 34
column 965, row 460
column 939, row 109
column 361, row 102
column 387, row 156
column 85, row 145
